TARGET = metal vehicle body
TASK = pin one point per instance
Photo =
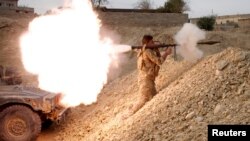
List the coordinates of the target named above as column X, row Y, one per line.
column 24, row 109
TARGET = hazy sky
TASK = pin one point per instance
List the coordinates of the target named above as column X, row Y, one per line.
column 198, row 8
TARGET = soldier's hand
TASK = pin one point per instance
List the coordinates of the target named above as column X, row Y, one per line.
column 168, row 51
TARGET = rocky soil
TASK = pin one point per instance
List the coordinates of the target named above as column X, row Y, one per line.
column 215, row 90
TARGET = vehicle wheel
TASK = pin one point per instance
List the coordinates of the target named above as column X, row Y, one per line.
column 19, row 123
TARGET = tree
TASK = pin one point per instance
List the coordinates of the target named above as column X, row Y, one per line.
column 206, row 23
column 144, row 4
column 174, row 6
column 98, row 3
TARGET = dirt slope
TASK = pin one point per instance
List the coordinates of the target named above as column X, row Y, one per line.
column 215, row 90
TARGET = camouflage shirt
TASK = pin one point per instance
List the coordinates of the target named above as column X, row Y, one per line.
column 148, row 63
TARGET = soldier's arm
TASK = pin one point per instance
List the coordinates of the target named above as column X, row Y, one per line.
column 153, row 57
column 166, row 53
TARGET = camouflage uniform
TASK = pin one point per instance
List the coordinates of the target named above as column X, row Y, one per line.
column 148, row 64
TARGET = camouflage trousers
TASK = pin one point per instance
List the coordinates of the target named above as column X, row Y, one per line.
column 147, row 91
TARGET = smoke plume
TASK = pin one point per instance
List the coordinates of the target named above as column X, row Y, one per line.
column 69, row 53
column 118, row 55
column 187, row 38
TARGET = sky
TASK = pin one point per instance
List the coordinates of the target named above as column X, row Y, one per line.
column 198, row 8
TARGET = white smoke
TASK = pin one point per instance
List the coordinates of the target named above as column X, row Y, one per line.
column 118, row 54
column 187, row 38
column 69, row 54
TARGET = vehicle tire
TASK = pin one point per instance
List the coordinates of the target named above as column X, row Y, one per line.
column 19, row 123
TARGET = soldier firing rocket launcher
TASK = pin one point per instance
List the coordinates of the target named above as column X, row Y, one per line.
column 173, row 45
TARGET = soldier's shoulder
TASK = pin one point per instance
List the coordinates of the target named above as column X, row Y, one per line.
column 149, row 51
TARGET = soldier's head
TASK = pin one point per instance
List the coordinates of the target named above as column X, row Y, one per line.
column 147, row 39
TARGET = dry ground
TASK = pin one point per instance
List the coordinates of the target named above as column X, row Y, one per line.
column 216, row 89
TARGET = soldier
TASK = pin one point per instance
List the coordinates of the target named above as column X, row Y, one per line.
column 148, row 64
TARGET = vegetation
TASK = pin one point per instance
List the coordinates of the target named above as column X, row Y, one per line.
column 144, row 4
column 174, row 6
column 206, row 23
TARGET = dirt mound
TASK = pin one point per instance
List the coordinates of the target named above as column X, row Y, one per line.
column 215, row 90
